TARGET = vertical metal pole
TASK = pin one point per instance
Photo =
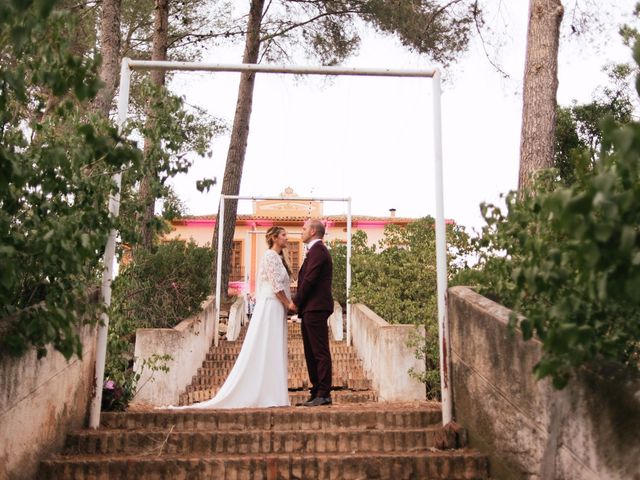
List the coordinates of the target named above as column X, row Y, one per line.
column 108, row 260
column 441, row 258
column 247, row 258
column 247, row 261
column 348, row 271
column 219, row 270
column 246, row 291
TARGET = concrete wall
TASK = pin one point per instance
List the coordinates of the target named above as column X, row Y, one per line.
column 385, row 355
column 336, row 323
column 187, row 343
column 237, row 318
column 40, row 401
column 588, row 431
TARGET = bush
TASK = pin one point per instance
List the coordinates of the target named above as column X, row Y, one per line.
column 161, row 287
column 56, row 162
column 397, row 279
column 568, row 259
column 158, row 289
column 338, row 251
column 121, row 384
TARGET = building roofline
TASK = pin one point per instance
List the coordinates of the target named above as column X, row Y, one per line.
column 261, row 220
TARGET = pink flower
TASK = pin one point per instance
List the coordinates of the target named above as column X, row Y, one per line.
column 110, row 385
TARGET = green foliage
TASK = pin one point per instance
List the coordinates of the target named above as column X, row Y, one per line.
column 397, row 279
column 176, row 134
column 339, row 256
column 568, row 259
column 193, row 26
column 440, row 29
column 329, row 30
column 56, row 163
column 424, row 342
column 157, row 289
column 629, row 33
column 578, row 138
column 121, row 383
column 173, row 206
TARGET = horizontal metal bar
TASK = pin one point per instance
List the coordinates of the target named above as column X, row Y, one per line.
column 295, row 199
column 288, row 69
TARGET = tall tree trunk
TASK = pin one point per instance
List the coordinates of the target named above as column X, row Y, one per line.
column 238, row 143
column 159, row 52
column 110, row 40
column 540, row 89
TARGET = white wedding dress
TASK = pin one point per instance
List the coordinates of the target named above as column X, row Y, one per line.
column 259, row 377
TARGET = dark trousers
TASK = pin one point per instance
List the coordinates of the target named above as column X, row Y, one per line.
column 315, row 337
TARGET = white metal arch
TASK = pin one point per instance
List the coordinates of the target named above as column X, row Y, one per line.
column 114, row 202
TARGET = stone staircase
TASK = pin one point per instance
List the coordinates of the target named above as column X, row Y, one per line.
column 356, row 438
column 349, row 382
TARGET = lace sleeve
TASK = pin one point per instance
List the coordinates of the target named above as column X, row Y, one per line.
column 276, row 272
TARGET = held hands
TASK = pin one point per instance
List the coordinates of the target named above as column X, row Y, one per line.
column 292, row 307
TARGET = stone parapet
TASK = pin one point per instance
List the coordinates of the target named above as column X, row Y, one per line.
column 40, row 401
column 385, row 356
column 187, row 344
column 588, row 431
column 336, row 324
column 237, row 318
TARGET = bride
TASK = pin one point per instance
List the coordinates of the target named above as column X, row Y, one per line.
column 259, row 377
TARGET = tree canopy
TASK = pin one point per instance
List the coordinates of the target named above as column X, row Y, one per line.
column 56, row 163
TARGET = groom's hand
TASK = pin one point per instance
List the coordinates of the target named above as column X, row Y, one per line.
column 292, row 307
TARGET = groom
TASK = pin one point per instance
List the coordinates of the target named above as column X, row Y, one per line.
column 314, row 305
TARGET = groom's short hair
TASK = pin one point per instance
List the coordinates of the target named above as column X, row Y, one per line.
column 318, row 226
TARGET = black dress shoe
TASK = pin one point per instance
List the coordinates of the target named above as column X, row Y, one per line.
column 304, row 404
column 318, row 401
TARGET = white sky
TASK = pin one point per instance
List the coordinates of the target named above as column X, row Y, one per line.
column 371, row 138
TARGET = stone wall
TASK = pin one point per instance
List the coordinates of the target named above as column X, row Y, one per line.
column 40, row 401
column 336, row 323
column 385, row 355
column 588, row 431
column 237, row 318
column 187, row 343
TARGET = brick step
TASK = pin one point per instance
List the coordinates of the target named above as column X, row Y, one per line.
column 194, row 395
column 217, row 356
column 338, row 396
column 377, row 416
column 450, row 465
column 255, row 442
column 340, row 370
column 296, row 382
column 292, row 364
column 295, row 350
column 292, row 385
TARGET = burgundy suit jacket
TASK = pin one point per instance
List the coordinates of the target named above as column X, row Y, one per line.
column 314, row 281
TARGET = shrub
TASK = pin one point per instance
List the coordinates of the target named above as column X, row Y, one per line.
column 158, row 289
column 338, row 251
column 56, row 162
column 397, row 279
column 161, row 287
column 568, row 259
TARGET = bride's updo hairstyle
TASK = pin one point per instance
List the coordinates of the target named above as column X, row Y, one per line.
column 271, row 236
